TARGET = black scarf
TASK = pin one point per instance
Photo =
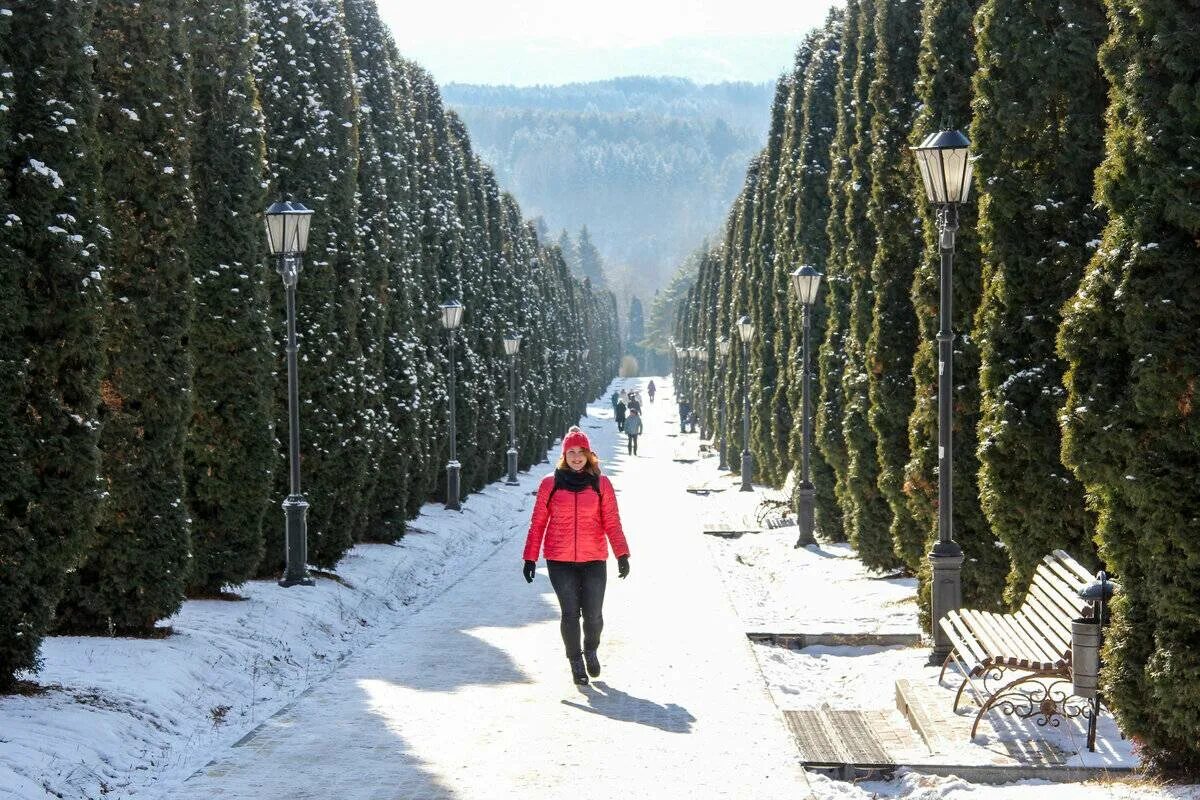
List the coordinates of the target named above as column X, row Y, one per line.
column 572, row 481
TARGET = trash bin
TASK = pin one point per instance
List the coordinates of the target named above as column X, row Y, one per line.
column 1085, row 657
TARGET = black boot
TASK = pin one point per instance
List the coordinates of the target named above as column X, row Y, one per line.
column 577, row 670
column 593, row 663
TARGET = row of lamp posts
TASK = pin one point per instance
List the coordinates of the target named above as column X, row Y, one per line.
column 943, row 159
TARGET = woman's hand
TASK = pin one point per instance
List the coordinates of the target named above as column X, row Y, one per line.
column 622, row 566
column 529, row 569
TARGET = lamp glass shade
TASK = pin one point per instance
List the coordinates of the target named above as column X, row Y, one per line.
column 452, row 313
column 944, row 159
column 806, row 281
column 723, row 345
column 512, row 343
column 745, row 329
column 287, row 228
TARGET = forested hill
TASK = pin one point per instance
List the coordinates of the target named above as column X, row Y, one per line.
column 650, row 165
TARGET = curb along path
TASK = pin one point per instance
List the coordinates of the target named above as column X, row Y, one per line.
column 472, row 697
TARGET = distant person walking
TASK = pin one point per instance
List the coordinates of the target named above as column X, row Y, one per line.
column 633, row 429
column 635, row 402
column 620, row 415
column 650, row 390
column 575, row 519
column 616, row 398
column 685, row 412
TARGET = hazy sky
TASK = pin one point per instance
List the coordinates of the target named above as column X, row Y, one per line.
column 526, row 42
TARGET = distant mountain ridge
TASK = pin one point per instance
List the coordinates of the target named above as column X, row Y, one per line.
column 649, row 164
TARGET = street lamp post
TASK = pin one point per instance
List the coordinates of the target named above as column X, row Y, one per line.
column 705, row 390
column 512, row 345
column 587, row 387
column 452, row 313
column 287, row 239
column 945, row 164
column 746, row 333
column 723, row 352
column 806, row 281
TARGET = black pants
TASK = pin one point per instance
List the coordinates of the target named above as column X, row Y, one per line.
column 580, row 589
column 621, row 424
column 632, row 443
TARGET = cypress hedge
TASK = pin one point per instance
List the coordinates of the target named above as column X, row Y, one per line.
column 1129, row 428
column 1038, row 132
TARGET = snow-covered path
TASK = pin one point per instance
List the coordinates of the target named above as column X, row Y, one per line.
column 472, row 698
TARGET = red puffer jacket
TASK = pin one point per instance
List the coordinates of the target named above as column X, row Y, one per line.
column 575, row 524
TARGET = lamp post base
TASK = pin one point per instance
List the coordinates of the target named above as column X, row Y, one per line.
column 295, row 514
column 452, row 486
column 945, row 586
column 724, row 465
column 747, row 468
column 807, row 495
column 512, row 468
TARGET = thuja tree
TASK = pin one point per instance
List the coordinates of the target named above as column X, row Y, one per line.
column 893, row 335
column 49, row 351
column 137, row 561
column 1039, row 100
column 1130, row 429
column 229, row 454
column 313, row 158
column 945, row 66
column 809, row 209
column 868, row 518
column 762, row 271
column 831, row 356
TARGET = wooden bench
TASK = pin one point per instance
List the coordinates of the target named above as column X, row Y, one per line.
column 1035, row 641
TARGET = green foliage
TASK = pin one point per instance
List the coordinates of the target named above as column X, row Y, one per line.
column 1038, row 131
column 868, row 518
column 229, row 452
column 945, row 66
column 50, row 291
column 137, row 563
column 892, row 213
column 1129, row 426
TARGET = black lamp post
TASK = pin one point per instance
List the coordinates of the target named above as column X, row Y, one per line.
column 705, row 389
column 746, row 333
column 945, row 163
column 287, row 239
column 806, row 281
column 452, row 313
column 587, row 378
column 723, row 352
column 512, row 345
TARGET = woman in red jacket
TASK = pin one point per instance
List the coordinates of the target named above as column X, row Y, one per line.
column 576, row 515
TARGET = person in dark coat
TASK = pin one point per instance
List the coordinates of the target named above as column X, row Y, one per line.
column 620, row 415
column 633, row 429
column 616, row 398
column 635, row 403
column 685, row 413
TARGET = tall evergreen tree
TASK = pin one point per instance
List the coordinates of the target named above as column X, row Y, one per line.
column 136, row 565
column 312, row 152
column 945, row 66
column 229, row 457
column 831, row 357
column 591, row 266
column 891, row 211
column 868, row 518
column 51, row 288
column 1129, row 427
column 1039, row 100
column 808, row 207
column 637, row 323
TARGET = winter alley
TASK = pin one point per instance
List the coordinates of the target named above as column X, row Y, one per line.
column 472, row 697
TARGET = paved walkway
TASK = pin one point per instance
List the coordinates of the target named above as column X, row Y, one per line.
column 472, row 697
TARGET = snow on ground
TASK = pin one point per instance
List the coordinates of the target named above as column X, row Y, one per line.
column 134, row 718
column 120, row 715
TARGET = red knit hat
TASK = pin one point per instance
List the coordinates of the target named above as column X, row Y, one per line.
column 575, row 438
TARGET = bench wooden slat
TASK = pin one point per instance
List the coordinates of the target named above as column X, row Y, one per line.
column 1071, row 583
column 1051, row 622
column 981, row 627
column 1053, row 633
column 1022, row 639
column 1055, row 594
column 1036, row 638
column 1011, row 644
column 1074, row 566
column 959, row 634
column 1052, row 607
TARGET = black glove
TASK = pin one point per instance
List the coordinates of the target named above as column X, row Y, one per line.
column 528, row 571
column 622, row 566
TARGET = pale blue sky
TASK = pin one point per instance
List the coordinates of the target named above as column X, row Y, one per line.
column 527, row 42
